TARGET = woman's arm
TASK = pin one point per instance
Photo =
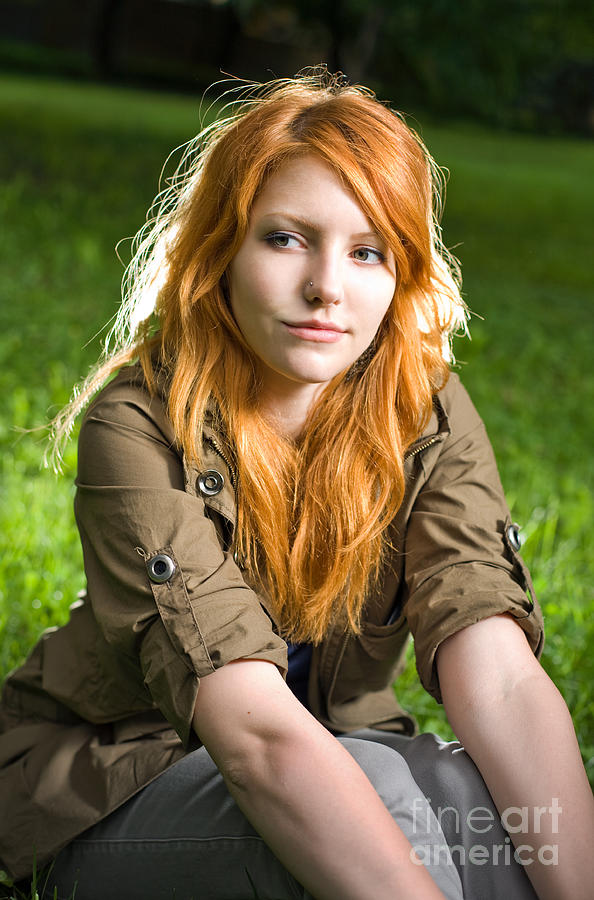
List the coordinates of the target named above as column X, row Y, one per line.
column 513, row 722
column 302, row 791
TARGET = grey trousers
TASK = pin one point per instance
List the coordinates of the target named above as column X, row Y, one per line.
column 184, row 838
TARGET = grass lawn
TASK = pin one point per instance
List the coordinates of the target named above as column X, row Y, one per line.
column 80, row 168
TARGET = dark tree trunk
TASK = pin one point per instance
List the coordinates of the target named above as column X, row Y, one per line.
column 336, row 26
column 103, row 41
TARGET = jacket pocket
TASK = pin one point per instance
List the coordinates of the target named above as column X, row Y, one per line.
column 385, row 642
column 372, row 660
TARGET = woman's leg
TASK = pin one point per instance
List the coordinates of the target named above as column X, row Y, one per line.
column 480, row 847
column 181, row 837
column 184, row 837
column 390, row 775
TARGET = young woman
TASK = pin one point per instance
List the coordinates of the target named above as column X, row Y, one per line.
column 284, row 480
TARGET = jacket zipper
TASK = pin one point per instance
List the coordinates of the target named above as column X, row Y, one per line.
column 234, row 478
column 218, row 449
column 421, row 447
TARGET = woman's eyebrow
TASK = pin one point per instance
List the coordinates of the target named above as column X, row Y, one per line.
column 307, row 225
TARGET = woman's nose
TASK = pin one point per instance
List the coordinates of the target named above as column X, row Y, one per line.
column 325, row 283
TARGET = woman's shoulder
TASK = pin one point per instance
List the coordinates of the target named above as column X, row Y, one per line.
column 126, row 435
column 126, row 385
column 128, row 401
column 454, row 408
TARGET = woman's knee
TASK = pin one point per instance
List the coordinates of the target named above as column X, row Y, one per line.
column 391, row 777
column 386, row 769
column 446, row 773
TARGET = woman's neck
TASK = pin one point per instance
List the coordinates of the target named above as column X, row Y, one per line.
column 286, row 406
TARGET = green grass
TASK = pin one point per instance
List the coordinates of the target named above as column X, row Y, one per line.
column 83, row 163
column 35, row 889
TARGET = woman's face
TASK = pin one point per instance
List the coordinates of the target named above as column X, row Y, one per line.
column 305, row 227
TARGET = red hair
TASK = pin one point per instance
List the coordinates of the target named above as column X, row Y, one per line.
column 312, row 515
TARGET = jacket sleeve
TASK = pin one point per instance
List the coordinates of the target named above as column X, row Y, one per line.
column 461, row 554
column 131, row 507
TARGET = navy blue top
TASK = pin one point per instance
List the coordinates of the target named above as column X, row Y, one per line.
column 300, row 661
column 298, row 673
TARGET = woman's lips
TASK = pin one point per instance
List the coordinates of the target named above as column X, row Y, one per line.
column 323, row 334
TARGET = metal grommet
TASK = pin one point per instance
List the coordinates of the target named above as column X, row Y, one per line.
column 210, row 482
column 160, row 568
column 513, row 536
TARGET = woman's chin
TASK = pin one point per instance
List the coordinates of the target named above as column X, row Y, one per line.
column 305, row 371
column 304, row 378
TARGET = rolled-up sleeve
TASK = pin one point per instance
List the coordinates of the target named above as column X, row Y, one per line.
column 462, row 563
column 131, row 507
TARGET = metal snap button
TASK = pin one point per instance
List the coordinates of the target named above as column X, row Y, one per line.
column 160, row 568
column 210, row 482
column 513, row 536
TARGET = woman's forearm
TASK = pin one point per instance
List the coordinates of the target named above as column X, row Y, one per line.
column 516, row 727
column 302, row 791
column 525, row 748
column 317, row 811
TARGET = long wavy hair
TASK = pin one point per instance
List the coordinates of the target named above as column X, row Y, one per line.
column 312, row 514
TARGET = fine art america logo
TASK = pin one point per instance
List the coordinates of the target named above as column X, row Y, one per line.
column 490, row 849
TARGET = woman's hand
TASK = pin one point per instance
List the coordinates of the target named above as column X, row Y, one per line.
column 515, row 725
column 302, row 791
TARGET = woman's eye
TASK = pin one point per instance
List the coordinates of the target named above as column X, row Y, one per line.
column 282, row 240
column 368, row 255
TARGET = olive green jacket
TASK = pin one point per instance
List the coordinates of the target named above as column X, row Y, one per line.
column 104, row 704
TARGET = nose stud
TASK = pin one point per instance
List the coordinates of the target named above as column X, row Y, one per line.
column 310, row 291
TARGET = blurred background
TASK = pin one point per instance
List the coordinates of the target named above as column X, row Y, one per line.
column 94, row 94
column 520, row 63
